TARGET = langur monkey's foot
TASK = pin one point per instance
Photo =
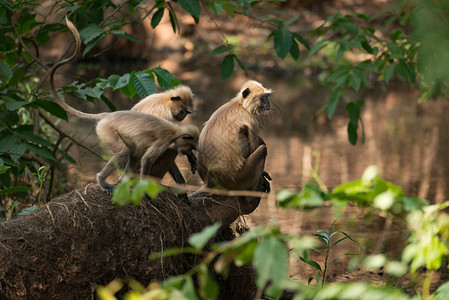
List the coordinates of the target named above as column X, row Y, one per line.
column 183, row 197
column 108, row 188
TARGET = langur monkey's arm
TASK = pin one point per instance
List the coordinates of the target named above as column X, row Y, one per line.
column 250, row 173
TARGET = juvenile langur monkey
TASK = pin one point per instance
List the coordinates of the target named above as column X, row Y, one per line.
column 230, row 149
column 134, row 136
column 172, row 105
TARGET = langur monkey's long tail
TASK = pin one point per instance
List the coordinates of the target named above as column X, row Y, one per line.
column 57, row 98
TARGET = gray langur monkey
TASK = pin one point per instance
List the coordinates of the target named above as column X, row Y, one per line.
column 134, row 136
column 172, row 105
column 231, row 153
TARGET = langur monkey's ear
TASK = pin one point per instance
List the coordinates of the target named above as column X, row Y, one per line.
column 246, row 92
column 176, row 98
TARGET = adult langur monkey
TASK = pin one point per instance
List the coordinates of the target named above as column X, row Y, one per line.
column 230, row 149
column 134, row 136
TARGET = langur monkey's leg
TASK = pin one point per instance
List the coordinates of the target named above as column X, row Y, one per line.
column 251, row 171
column 176, row 174
column 159, row 167
column 118, row 160
column 149, row 158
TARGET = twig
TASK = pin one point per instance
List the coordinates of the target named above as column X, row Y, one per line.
column 52, row 168
column 67, row 136
column 188, row 187
column 36, row 59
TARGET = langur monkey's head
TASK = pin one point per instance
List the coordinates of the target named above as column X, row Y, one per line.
column 180, row 104
column 186, row 142
column 254, row 97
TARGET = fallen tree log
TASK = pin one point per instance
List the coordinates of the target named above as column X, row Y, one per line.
column 81, row 239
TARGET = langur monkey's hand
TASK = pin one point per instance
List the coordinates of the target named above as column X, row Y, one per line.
column 265, row 182
column 192, row 160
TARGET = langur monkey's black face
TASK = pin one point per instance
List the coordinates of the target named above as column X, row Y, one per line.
column 264, row 103
column 182, row 111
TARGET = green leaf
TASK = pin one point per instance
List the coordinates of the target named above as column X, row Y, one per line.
column 217, row 8
column 442, row 293
column 302, row 40
column 354, row 112
column 15, row 189
column 165, row 79
column 192, row 7
column 389, row 72
column 90, row 32
column 245, row 253
column 220, row 49
column 5, row 71
column 94, row 92
column 271, row 263
column 4, row 169
column 128, row 90
column 200, row 239
column 173, row 19
column 294, row 50
column 28, row 210
column 291, row 20
column 283, row 39
column 333, row 104
column 227, row 66
column 352, row 133
column 41, row 152
column 125, row 35
column 12, row 104
column 153, row 189
column 92, row 44
column 11, row 144
column 228, row 8
column 30, row 137
column 318, row 46
column 138, row 192
column 17, row 76
column 108, row 103
column 122, row 193
column 311, row 263
column 6, row 43
column 143, row 84
column 355, row 81
column 189, row 290
column 52, row 108
column 157, row 17
column 208, row 287
column 117, row 81
column 240, row 64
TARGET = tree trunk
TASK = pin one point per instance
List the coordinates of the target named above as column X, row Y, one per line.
column 81, row 239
